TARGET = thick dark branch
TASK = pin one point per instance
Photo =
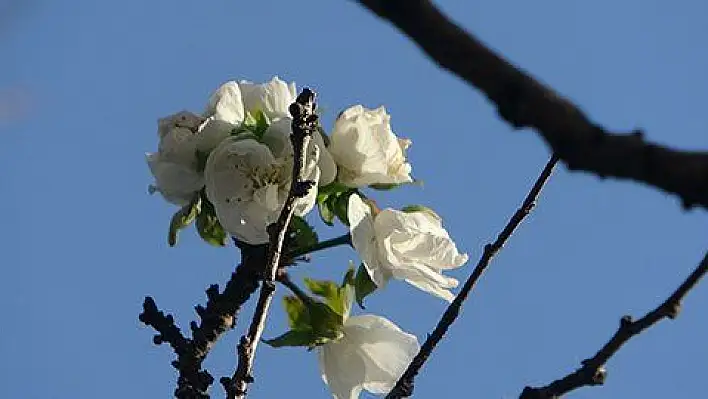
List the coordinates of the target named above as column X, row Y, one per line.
column 303, row 125
column 524, row 102
column 217, row 317
column 404, row 386
column 593, row 371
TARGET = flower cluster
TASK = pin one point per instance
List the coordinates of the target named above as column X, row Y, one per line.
column 229, row 169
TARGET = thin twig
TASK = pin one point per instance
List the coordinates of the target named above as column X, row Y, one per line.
column 216, row 318
column 593, row 370
column 303, row 125
column 404, row 386
column 523, row 102
column 345, row 239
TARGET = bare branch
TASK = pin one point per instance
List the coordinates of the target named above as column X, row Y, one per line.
column 593, row 371
column 217, row 317
column 523, row 101
column 303, row 125
column 404, row 386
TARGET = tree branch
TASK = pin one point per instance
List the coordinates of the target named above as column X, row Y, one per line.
column 217, row 317
column 303, row 125
column 523, row 102
column 593, row 371
column 404, row 386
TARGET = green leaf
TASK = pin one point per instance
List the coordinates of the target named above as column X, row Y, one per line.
column 262, row 123
column 339, row 206
column 298, row 315
column 326, row 213
column 305, row 338
column 208, row 226
column 326, row 322
column 322, row 288
column 349, row 276
column 420, row 208
column 249, row 122
column 323, row 206
column 391, row 186
column 363, row 285
column 183, row 218
column 300, row 234
column 334, row 188
column 337, row 298
column 347, row 290
column 256, row 123
column 332, row 201
column 312, row 322
column 384, row 186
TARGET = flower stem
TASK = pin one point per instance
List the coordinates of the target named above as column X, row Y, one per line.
column 345, row 239
column 284, row 279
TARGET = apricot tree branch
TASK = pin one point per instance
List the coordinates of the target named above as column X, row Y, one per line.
column 523, row 101
column 217, row 317
column 303, row 125
column 404, row 386
column 593, row 371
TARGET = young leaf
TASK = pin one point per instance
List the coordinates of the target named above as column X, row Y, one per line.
column 363, row 285
column 391, row 186
column 347, row 290
column 337, row 298
column 326, row 213
column 262, row 124
column 183, row 218
column 298, row 315
column 305, row 338
column 326, row 321
column 339, row 206
column 385, row 186
column 334, row 188
column 322, row 288
column 301, row 234
column 208, row 226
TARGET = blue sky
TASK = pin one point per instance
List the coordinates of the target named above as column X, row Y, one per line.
column 82, row 84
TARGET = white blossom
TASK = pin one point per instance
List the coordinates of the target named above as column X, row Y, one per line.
column 366, row 150
column 277, row 137
column 273, row 98
column 248, row 182
column 226, row 104
column 174, row 165
column 183, row 119
column 372, row 354
column 177, row 183
column 410, row 246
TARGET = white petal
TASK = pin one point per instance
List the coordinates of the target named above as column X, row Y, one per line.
column 177, row 183
column 225, row 104
column 305, row 205
column 385, row 348
column 326, row 163
column 366, row 149
column 277, row 138
column 211, row 133
column 421, row 237
column 429, row 281
column 273, row 98
column 178, row 145
column 361, row 227
column 342, row 369
column 184, row 119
